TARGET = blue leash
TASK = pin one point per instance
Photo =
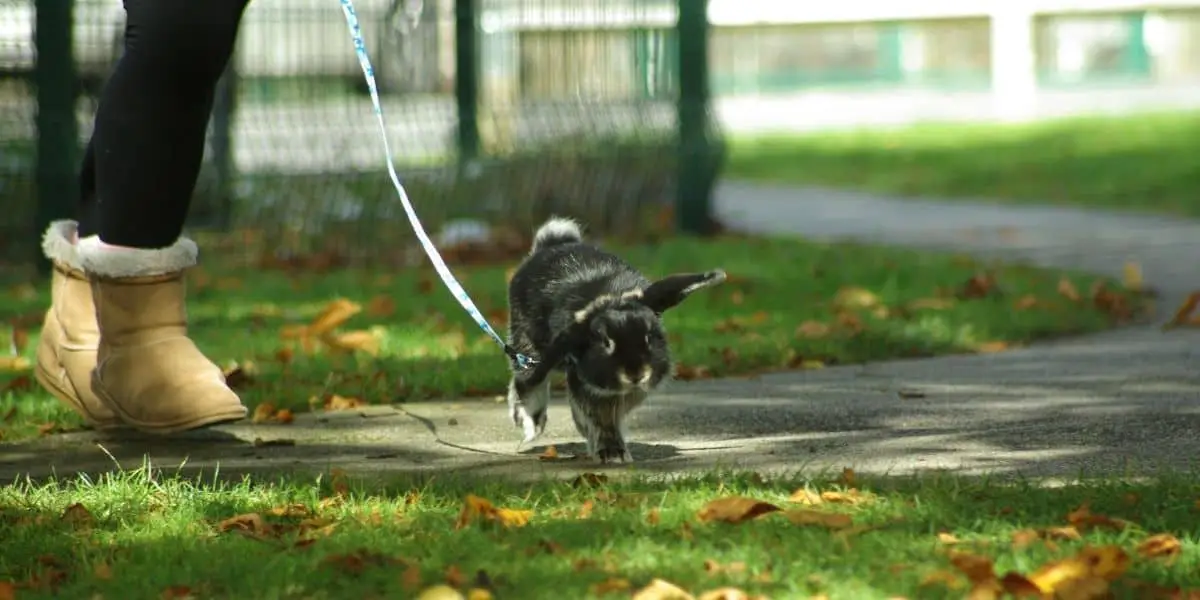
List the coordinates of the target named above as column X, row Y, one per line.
column 360, row 48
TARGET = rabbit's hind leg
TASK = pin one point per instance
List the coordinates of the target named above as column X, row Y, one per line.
column 529, row 412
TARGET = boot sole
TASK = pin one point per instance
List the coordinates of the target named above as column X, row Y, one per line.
column 192, row 424
column 48, row 383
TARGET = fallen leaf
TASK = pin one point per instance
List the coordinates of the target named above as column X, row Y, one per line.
column 660, row 589
column 284, row 416
column 1067, row 290
column 854, row 298
column 812, row 329
column 979, row 286
column 1083, row 518
column 76, row 515
column 805, row 496
column 910, row 394
column 263, row 412
column 991, row 347
column 848, row 477
column 610, row 586
column 654, row 517
column 735, row 509
column 1183, row 315
column 47, row 428
column 440, row 592
column 551, row 453
column 366, row 341
column 411, row 578
column 1162, row 545
column 799, row 516
column 336, row 402
column 333, row 316
column 713, row 567
column 948, row 538
column 251, row 524
column 381, row 306
column 101, row 571
column 454, row 576
column 1025, row 302
column 1131, row 277
column 1105, row 563
column 589, row 479
column 176, row 592
column 475, row 508
column 15, row 363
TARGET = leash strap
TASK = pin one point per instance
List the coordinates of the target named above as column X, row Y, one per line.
column 360, row 48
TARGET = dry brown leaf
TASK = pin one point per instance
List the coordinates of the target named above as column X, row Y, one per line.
column 855, row 298
column 1025, row 302
column 979, row 286
column 263, row 413
column 812, row 329
column 411, row 578
column 800, row 516
column 1083, row 518
column 336, row 402
column 177, row 592
column 454, row 576
column 1183, row 315
column 1067, row 290
column 1162, row 545
column 610, row 586
column 15, row 363
column 653, row 517
column 735, row 509
column 333, row 316
column 851, row 496
column 1105, row 563
column 848, row 478
column 365, row 341
column 948, row 538
column 284, row 416
column 102, row 571
column 251, row 524
column 381, row 306
column 20, row 339
column 713, row 567
column 805, row 496
column 659, row 589
column 550, row 453
column 476, row 508
column 78, row 516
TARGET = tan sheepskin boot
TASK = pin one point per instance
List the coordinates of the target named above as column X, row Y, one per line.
column 66, row 353
column 148, row 371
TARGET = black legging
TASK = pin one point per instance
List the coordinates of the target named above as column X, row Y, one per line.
column 141, row 164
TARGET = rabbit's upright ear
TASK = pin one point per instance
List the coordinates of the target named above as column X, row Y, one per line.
column 669, row 291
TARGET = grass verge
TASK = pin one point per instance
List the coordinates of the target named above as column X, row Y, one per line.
column 1140, row 163
column 302, row 335
column 142, row 535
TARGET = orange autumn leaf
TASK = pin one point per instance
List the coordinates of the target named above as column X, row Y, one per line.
column 550, row 453
column 1067, row 290
column 263, row 413
column 805, row 496
column 1083, row 518
column 381, row 306
column 1162, row 545
column 735, row 509
column 476, row 508
column 610, row 586
column 336, row 402
column 333, row 316
column 1104, row 563
column 800, row 516
column 1183, row 315
column 77, row 515
column 848, row 477
column 366, row 341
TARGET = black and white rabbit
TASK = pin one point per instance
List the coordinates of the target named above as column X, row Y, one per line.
column 578, row 309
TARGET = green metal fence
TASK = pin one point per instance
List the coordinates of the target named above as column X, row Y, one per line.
column 498, row 110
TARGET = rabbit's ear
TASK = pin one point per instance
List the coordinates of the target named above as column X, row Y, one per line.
column 669, row 291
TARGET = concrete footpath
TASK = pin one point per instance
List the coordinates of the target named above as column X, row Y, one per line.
column 1125, row 401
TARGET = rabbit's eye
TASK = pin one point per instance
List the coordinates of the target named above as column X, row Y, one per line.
column 610, row 345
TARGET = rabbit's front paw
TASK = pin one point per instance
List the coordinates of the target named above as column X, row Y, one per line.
column 612, row 453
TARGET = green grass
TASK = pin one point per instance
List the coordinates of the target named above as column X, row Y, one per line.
column 137, row 535
column 1144, row 163
column 788, row 303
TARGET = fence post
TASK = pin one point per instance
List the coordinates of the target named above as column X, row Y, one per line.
column 697, row 169
column 466, row 77
column 57, row 130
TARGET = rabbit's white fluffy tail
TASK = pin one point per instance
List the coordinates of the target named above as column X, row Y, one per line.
column 556, row 231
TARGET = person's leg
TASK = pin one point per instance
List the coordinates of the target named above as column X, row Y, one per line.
column 137, row 180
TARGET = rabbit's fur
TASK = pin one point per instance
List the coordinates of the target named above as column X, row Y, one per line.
column 580, row 310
